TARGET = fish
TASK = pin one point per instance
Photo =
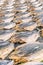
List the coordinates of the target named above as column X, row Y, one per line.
column 29, row 49
column 28, row 26
column 37, row 57
column 24, row 20
column 27, row 36
column 27, row 19
column 22, row 9
column 38, row 5
column 5, row 37
column 8, row 20
column 6, row 50
column 6, row 62
column 29, row 52
column 11, row 14
column 26, row 14
column 11, row 25
column 1, row 32
column 39, row 8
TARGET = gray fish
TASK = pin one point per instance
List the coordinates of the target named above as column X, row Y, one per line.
column 28, row 49
column 30, row 25
column 28, row 36
column 6, row 50
column 7, row 25
column 7, row 36
column 6, row 62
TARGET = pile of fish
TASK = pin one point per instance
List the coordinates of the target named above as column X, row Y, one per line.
column 21, row 32
column 29, row 21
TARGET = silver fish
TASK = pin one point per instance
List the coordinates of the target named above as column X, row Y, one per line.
column 28, row 26
column 6, row 36
column 5, row 50
column 27, row 50
column 28, row 36
column 6, row 62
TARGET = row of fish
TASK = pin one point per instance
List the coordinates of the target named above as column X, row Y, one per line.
column 6, row 31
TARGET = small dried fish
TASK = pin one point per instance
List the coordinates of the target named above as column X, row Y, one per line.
column 28, row 36
column 39, row 8
column 11, row 25
column 22, row 9
column 24, row 20
column 8, row 20
column 6, row 62
column 4, row 51
column 27, row 19
column 28, row 26
column 27, row 51
column 5, row 37
column 36, row 57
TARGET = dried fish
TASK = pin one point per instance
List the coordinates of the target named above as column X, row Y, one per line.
column 4, row 51
column 28, row 36
column 22, row 9
column 27, row 51
column 10, row 26
column 28, row 26
column 37, row 57
column 24, row 20
column 6, row 62
column 5, row 37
